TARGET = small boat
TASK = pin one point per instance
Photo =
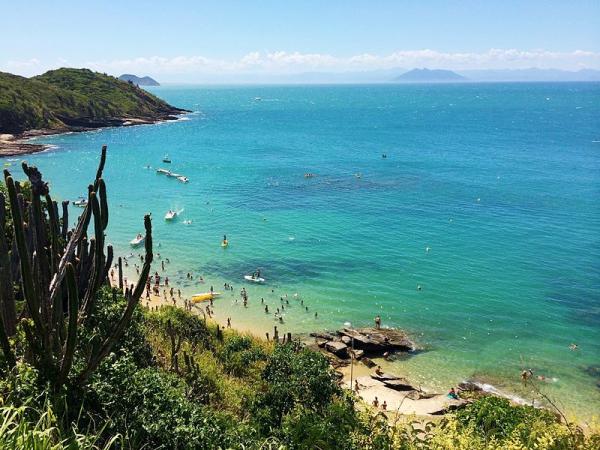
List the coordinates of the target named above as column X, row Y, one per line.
column 183, row 179
column 139, row 240
column 166, row 159
column 254, row 279
column 163, row 171
column 257, row 99
column 81, row 202
column 205, row 296
column 170, row 215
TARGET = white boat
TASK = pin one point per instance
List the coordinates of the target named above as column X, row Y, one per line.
column 174, row 175
column 163, row 171
column 254, row 279
column 81, row 202
column 170, row 215
column 139, row 240
column 166, row 159
column 183, row 179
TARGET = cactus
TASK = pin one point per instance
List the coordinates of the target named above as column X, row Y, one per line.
column 58, row 273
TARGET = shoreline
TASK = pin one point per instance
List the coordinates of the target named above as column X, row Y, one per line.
column 416, row 399
column 18, row 144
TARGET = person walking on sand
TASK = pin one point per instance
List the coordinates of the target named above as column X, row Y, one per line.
column 356, row 386
column 376, row 402
column 384, row 406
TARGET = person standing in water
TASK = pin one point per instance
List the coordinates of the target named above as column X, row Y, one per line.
column 224, row 243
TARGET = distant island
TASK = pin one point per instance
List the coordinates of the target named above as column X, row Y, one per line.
column 140, row 81
column 71, row 100
column 429, row 76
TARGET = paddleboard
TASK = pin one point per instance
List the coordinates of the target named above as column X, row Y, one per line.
column 204, row 296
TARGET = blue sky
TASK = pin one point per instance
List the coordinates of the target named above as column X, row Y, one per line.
column 183, row 39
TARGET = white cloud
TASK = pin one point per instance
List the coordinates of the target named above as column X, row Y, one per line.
column 283, row 62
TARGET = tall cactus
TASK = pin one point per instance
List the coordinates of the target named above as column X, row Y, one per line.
column 58, row 274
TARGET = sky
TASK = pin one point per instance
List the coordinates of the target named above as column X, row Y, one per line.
column 181, row 40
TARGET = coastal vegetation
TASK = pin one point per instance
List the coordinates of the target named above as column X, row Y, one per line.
column 84, row 365
column 72, row 99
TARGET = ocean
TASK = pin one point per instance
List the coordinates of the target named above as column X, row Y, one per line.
column 479, row 233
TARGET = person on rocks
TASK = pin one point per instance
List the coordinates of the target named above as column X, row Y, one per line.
column 452, row 394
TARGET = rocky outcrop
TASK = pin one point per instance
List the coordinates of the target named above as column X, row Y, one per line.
column 337, row 348
column 379, row 340
column 394, row 382
column 363, row 343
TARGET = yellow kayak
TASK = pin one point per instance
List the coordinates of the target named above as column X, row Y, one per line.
column 204, row 296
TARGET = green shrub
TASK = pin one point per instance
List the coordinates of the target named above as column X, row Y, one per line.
column 294, row 378
column 239, row 353
column 496, row 417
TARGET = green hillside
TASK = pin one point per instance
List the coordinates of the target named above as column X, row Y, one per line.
column 73, row 99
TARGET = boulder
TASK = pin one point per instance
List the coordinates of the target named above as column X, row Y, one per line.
column 400, row 384
column 368, row 362
column 358, row 354
column 346, row 340
column 337, row 348
column 452, row 405
column 384, row 376
column 325, row 336
column 379, row 340
column 420, row 395
column 321, row 342
column 469, row 386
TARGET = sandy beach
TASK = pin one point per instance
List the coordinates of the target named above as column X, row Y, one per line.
column 369, row 389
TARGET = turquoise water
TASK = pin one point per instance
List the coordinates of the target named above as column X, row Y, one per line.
column 500, row 181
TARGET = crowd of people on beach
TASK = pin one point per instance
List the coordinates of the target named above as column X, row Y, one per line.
column 159, row 288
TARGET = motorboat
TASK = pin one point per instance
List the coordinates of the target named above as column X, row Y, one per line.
column 138, row 240
column 183, row 179
column 167, row 159
column 170, row 215
column 81, row 202
column 254, row 279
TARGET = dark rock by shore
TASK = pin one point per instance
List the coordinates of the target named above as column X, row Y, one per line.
column 15, row 145
column 363, row 343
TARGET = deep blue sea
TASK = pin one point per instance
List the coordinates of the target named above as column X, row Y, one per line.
column 479, row 233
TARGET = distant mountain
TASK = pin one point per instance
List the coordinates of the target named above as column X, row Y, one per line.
column 532, row 74
column 140, row 81
column 73, row 100
column 429, row 76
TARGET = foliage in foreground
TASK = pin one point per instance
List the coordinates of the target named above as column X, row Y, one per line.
column 228, row 390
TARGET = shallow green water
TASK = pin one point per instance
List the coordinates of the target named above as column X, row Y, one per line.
column 500, row 181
